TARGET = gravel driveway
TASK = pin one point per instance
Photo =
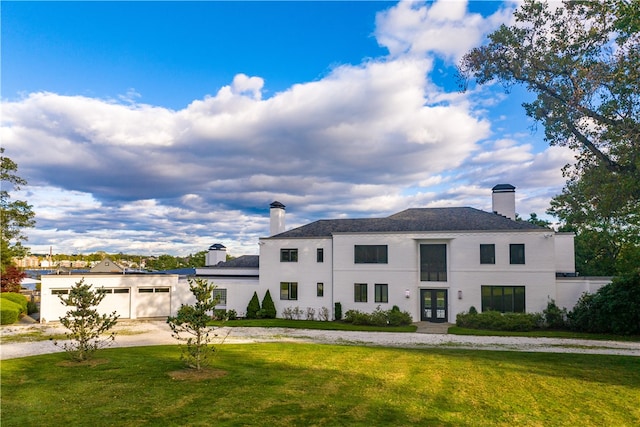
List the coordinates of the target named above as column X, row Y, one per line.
column 142, row 333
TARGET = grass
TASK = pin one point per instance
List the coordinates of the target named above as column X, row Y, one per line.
column 324, row 385
column 455, row 330
column 312, row 324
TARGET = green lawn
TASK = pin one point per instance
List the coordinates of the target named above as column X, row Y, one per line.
column 455, row 330
column 280, row 384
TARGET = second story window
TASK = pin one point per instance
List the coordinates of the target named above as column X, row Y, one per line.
column 370, row 254
column 516, row 253
column 288, row 255
column 320, row 255
column 433, row 263
column 487, row 254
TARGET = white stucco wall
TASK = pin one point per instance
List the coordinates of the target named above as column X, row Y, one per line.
column 339, row 272
column 569, row 289
column 565, row 252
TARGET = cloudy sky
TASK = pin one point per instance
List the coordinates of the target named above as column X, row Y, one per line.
column 160, row 127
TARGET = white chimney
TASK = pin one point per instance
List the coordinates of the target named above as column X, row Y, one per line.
column 503, row 200
column 276, row 213
column 217, row 253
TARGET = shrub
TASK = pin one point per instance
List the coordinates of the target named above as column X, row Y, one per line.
column 323, row 314
column 613, row 309
column 232, row 315
column 287, row 313
column 268, row 307
column 9, row 312
column 496, row 321
column 32, row 307
column 220, row 314
column 253, row 308
column 398, row 318
column 311, row 313
column 378, row 317
column 16, row 298
column 297, row 313
column 553, row 316
column 338, row 311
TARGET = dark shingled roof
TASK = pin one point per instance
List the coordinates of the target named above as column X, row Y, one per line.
column 414, row 220
column 244, row 261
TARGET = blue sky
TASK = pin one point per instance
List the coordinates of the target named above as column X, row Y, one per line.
column 162, row 127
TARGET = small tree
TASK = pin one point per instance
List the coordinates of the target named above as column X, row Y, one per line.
column 86, row 326
column 268, row 307
column 192, row 320
column 253, row 308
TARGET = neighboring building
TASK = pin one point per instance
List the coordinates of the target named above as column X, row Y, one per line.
column 107, row 266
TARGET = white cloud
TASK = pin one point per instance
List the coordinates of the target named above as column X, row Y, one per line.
column 364, row 140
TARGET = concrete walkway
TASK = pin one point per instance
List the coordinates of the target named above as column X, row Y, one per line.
column 432, row 328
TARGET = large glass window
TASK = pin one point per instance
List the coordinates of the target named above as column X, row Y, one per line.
column 360, row 292
column 371, row 254
column 381, row 292
column 289, row 290
column 516, row 253
column 487, row 254
column 505, row 299
column 288, row 255
column 433, row 263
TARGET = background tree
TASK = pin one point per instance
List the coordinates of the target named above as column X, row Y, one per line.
column 192, row 320
column 86, row 326
column 11, row 279
column 15, row 215
column 582, row 61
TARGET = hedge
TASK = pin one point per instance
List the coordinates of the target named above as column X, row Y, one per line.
column 16, row 298
column 9, row 311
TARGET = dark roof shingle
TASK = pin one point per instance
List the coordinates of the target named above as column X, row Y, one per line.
column 413, row 220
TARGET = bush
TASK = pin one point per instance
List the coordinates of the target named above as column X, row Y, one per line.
column 323, row 314
column 613, row 309
column 16, row 298
column 32, row 307
column 268, row 307
column 554, row 317
column 311, row 313
column 338, row 310
column 9, row 312
column 253, row 308
column 232, row 315
column 496, row 321
column 379, row 317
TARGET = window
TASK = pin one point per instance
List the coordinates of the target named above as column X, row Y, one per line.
column 433, row 263
column 59, row 291
column 145, row 290
column 289, row 290
column 370, row 254
column 121, row 291
column 320, row 289
column 516, row 253
column 381, row 292
column 221, row 295
column 288, row 255
column 505, row 299
column 487, row 254
column 360, row 292
column 320, row 255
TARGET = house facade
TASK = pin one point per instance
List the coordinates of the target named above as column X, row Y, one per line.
column 433, row 263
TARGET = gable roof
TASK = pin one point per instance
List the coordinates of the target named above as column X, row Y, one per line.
column 414, row 220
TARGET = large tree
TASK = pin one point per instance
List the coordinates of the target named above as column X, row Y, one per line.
column 15, row 215
column 582, row 61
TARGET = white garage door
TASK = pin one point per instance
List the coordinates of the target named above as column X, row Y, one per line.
column 118, row 300
column 153, row 302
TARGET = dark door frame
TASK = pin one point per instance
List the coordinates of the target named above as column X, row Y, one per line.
column 433, row 313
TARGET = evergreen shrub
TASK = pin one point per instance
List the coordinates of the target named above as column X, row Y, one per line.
column 253, row 308
column 268, row 307
column 16, row 298
column 9, row 312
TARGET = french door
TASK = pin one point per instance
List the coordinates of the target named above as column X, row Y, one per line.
column 433, row 305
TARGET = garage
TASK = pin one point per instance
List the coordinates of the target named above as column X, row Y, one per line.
column 153, row 302
column 118, row 300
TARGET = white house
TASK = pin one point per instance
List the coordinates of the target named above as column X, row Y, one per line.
column 431, row 262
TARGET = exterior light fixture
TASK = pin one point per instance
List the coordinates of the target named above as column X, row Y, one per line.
column 460, row 294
